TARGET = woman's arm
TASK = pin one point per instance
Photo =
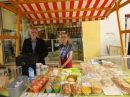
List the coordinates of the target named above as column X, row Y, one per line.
column 59, row 59
column 68, row 60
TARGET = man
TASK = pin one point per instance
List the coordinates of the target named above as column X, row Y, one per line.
column 35, row 45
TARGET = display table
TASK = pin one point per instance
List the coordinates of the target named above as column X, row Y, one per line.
column 42, row 94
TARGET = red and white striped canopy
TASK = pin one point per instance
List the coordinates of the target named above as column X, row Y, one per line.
column 50, row 11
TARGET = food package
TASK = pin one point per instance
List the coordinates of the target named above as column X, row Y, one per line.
column 106, row 82
column 66, row 88
column 123, row 85
column 48, row 88
column 86, row 88
column 71, row 78
column 39, row 83
column 75, row 88
column 96, row 86
column 56, row 87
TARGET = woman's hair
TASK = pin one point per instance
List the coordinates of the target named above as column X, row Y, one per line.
column 67, row 40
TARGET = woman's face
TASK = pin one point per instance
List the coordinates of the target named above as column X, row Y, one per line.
column 64, row 38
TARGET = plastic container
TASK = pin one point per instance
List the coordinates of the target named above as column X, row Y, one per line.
column 48, row 88
column 44, row 69
column 56, row 87
column 31, row 74
column 38, row 68
column 16, row 91
column 4, row 78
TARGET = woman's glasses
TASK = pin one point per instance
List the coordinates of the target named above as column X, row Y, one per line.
column 64, row 37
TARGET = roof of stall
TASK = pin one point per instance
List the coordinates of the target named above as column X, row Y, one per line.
column 62, row 11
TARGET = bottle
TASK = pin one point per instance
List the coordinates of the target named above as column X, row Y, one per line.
column 38, row 65
column 31, row 74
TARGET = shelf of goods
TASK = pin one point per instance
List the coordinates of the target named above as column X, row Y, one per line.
column 101, row 79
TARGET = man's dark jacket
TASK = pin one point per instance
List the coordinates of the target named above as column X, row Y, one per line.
column 40, row 49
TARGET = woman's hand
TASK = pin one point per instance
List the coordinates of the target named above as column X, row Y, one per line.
column 62, row 66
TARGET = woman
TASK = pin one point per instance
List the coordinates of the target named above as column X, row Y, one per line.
column 65, row 52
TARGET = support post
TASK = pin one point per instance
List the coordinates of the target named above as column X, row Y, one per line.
column 18, row 33
column 121, row 35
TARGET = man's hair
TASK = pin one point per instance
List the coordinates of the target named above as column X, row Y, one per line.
column 34, row 28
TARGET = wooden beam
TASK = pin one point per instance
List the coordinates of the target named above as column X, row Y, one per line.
column 124, row 4
column 41, row 1
column 18, row 33
column 125, row 31
column 65, row 18
column 8, row 8
column 121, row 35
column 8, row 37
column 113, row 9
column 65, row 10
column 17, row 7
column 119, row 1
column 120, row 6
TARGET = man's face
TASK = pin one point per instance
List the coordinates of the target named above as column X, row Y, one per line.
column 33, row 33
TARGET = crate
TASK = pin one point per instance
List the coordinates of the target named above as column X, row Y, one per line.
column 16, row 91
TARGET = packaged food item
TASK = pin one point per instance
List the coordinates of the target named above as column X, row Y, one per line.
column 48, row 88
column 75, row 88
column 96, row 90
column 71, row 78
column 31, row 74
column 66, row 88
column 86, row 88
column 51, row 80
column 44, row 69
column 106, row 82
column 123, row 85
column 39, row 83
column 38, row 66
column 56, row 87
column 55, row 72
column 109, row 88
column 96, row 86
column 57, row 79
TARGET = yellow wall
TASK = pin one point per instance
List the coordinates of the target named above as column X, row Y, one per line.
column 1, row 54
column 91, row 39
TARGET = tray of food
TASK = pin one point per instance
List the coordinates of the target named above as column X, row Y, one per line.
column 54, row 72
column 90, row 87
column 37, row 84
column 71, row 78
column 122, row 85
column 109, row 88
column 53, row 85
column 49, row 88
column 96, row 86
column 118, row 73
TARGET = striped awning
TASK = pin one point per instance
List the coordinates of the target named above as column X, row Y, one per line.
column 62, row 11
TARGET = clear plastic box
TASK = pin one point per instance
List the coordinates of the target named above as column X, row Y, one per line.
column 16, row 91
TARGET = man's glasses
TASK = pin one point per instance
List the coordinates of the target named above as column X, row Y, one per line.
column 64, row 37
